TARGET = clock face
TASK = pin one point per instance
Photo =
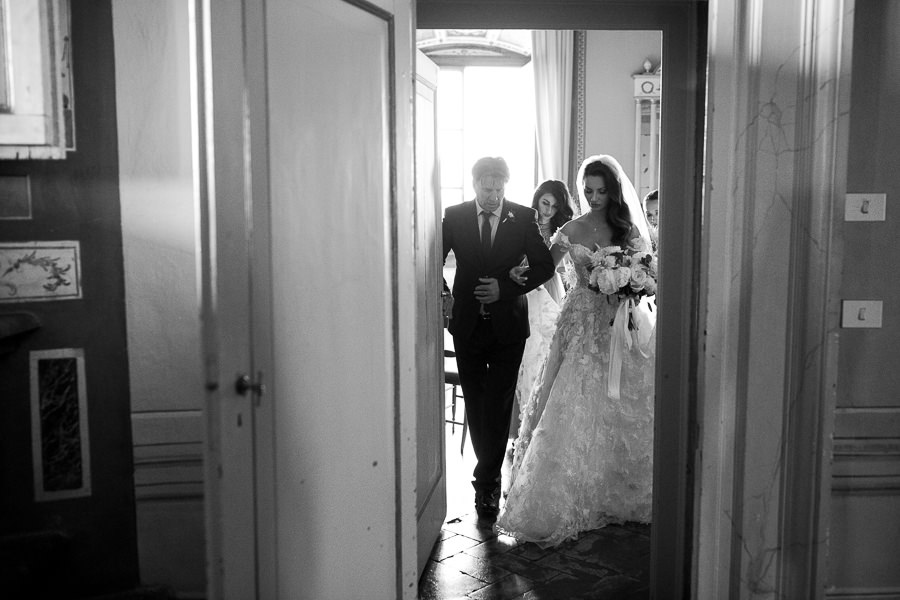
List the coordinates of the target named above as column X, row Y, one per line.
column 647, row 87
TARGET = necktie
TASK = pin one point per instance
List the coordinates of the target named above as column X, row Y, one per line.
column 486, row 232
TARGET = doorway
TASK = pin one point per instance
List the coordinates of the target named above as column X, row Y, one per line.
column 683, row 44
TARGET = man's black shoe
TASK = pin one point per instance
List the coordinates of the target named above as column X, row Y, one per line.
column 487, row 505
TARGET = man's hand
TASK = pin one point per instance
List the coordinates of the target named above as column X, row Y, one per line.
column 447, row 304
column 517, row 274
column 488, row 291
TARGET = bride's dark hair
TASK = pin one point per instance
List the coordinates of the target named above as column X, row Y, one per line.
column 564, row 210
column 617, row 214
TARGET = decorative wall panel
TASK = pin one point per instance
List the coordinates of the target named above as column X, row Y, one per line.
column 15, row 197
column 59, row 424
column 32, row 271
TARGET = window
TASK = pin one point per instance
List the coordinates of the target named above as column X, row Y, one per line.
column 36, row 102
column 485, row 102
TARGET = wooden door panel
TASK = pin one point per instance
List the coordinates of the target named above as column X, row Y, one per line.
column 332, row 292
column 431, row 502
column 864, row 528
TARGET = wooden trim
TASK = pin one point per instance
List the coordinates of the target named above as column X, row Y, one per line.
column 885, row 593
column 814, row 302
column 578, row 109
column 684, row 35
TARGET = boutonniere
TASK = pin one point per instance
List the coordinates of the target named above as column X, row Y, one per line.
column 509, row 217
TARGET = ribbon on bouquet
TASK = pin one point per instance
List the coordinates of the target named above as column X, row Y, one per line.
column 622, row 339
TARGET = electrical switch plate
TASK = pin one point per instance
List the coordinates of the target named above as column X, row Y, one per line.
column 865, row 207
column 861, row 313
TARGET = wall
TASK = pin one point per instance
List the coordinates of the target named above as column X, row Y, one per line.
column 776, row 121
column 75, row 199
column 153, row 92
column 612, row 58
column 865, row 503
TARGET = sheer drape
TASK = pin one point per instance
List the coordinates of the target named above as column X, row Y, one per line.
column 552, row 60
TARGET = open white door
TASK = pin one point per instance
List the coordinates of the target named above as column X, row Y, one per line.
column 314, row 476
column 431, row 501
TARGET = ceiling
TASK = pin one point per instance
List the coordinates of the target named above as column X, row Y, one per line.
column 465, row 47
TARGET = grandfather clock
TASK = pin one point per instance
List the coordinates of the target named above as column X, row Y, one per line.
column 647, row 95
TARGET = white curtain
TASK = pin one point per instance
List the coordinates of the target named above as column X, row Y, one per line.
column 552, row 61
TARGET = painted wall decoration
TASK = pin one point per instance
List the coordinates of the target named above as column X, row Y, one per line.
column 33, row 271
column 59, row 425
column 15, row 197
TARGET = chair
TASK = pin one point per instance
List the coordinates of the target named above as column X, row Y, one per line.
column 451, row 378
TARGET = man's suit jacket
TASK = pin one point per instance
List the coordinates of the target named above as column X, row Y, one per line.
column 517, row 237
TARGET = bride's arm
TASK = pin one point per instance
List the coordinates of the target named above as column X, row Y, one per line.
column 558, row 252
column 561, row 244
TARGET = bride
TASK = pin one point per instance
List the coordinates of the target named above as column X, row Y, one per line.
column 583, row 458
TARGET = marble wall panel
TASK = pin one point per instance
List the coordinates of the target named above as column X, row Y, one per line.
column 59, row 426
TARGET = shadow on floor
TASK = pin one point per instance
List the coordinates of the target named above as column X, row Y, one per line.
column 473, row 561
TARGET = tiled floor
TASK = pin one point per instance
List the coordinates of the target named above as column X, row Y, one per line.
column 474, row 561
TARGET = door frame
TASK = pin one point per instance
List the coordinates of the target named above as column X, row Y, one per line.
column 431, row 495
column 683, row 27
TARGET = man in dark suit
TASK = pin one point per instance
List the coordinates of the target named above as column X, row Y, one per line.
column 489, row 321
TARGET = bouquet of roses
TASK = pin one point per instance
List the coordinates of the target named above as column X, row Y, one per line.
column 626, row 272
column 629, row 273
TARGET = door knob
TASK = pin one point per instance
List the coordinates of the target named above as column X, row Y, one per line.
column 245, row 384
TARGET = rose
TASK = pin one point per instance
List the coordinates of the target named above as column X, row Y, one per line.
column 605, row 280
column 639, row 244
column 623, row 276
column 605, row 257
column 640, row 278
column 641, row 257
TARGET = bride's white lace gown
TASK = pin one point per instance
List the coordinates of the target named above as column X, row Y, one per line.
column 582, row 460
column 542, row 314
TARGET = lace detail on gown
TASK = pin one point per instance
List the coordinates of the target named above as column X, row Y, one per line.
column 542, row 314
column 582, row 460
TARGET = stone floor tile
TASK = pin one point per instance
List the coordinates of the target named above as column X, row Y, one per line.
column 522, row 566
column 616, row 587
column 565, row 587
column 619, row 587
column 501, row 544
column 532, row 551
column 575, row 566
column 444, row 534
column 454, row 544
column 440, row 582
column 617, row 548
column 485, row 570
column 470, row 526
column 511, row 586
column 641, row 528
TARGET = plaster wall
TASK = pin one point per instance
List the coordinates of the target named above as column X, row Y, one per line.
column 153, row 94
column 612, row 57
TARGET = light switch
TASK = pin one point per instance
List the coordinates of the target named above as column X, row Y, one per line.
column 865, row 207
column 861, row 313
